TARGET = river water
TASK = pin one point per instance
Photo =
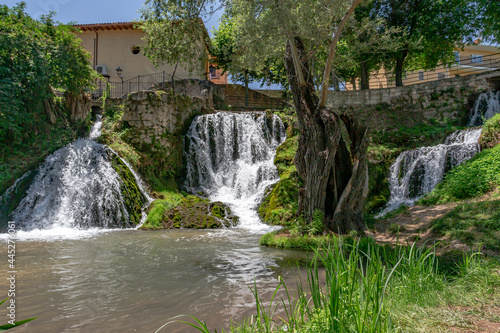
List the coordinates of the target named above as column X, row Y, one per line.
column 135, row 281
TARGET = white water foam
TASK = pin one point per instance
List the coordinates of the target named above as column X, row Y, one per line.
column 417, row 172
column 230, row 158
column 76, row 194
column 486, row 106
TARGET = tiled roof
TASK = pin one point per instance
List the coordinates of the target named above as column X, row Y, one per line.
column 106, row 26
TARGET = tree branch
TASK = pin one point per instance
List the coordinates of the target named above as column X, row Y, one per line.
column 331, row 54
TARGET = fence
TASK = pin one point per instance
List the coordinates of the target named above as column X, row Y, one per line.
column 118, row 89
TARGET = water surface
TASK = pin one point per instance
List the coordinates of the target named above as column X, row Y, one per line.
column 135, row 281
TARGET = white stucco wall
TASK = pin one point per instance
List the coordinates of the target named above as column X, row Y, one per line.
column 114, row 50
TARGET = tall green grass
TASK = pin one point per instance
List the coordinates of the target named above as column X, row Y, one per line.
column 363, row 287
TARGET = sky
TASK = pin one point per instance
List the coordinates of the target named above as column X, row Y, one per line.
column 91, row 11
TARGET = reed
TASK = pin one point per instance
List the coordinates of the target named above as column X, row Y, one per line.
column 363, row 287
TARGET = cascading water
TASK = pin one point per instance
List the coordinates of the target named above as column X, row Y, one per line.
column 417, row 172
column 76, row 187
column 230, row 158
column 486, row 106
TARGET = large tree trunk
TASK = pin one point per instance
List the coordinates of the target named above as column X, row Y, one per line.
column 365, row 76
column 335, row 177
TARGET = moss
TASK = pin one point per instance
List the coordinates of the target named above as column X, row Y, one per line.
column 132, row 196
column 178, row 210
column 11, row 199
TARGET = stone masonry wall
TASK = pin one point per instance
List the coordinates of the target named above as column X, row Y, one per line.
column 388, row 108
column 158, row 119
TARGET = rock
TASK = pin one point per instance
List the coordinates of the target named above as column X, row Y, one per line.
column 197, row 213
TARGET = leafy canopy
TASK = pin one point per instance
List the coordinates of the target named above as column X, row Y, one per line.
column 254, row 36
column 35, row 58
column 171, row 27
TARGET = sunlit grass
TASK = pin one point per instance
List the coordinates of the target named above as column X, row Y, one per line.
column 363, row 287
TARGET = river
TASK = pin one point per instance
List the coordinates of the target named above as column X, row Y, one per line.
column 135, row 281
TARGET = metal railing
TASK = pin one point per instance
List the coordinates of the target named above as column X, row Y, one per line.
column 119, row 89
column 461, row 66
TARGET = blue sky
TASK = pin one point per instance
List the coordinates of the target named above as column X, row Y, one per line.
column 91, row 11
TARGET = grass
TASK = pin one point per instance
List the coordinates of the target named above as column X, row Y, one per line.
column 289, row 241
column 474, row 223
column 423, row 134
column 358, row 286
column 470, row 179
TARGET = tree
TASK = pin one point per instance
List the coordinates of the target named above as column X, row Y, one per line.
column 36, row 57
column 225, row 55
column 431, row 30
column 367, row 44
column 178, row 25
column 489, row 16
column 335, row 176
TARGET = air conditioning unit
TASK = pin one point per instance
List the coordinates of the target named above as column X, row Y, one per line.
column 101, row 69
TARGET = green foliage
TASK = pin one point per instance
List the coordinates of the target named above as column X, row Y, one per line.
column 422, row 134
column 281, row 204
column 366, row 43
column 490, row 19
column 225, row 55
column 282, row 240
column 174, row 33
column 490, row 136
column 35, row 58
column 470, row 179
column 317, row 223
column 474, row 224
column 430, row 30
column 370, row 288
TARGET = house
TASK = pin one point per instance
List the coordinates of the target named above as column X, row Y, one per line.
column 116, row 50
column 472, row 59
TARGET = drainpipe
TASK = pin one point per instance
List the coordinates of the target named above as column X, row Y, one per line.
column 96, row 48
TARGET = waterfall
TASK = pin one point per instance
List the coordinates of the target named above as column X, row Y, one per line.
column 417, row 172
column 77, row 187
column 230, row 159
column 485, row 107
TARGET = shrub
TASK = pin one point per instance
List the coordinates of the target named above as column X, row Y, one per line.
column 470, row 179
column 490, row 136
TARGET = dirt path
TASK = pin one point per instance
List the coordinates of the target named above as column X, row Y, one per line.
column 415, row 224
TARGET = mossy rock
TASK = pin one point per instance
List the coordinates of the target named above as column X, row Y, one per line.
column 132, row 196
column 190, row 212
column 13, row 196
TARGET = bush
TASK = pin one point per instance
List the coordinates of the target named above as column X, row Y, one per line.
column 470, row 179
column 490, row 136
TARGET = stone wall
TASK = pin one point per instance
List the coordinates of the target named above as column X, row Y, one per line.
column 199, row 88
column 157, row 120
column 389, row 108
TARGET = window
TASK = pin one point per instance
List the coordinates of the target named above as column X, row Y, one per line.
column 457, row 57
column 136, row 49
column 475, row 58
column 213, row 72
column 405, row 75
column 441, row 76
column 421, row 75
